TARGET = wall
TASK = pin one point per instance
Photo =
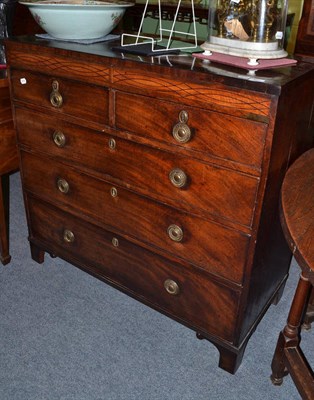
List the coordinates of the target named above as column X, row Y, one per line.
column 295, row 6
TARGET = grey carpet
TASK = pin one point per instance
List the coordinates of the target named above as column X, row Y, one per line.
column 65, row 335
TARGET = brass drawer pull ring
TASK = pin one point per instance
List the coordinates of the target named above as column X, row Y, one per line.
column 63, row 186
column 175, row 233
column 56, row 99
column 178, row 178
column 68, row 236
column 59, row 138
column 172, row 287
column 181, row 131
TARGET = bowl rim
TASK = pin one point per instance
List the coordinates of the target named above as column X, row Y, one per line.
column 77, row 3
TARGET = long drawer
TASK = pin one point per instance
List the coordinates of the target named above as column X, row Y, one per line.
column 186, row 236
column 180, row 292
column 182, row 182
column 216, row 134
column 64, row 96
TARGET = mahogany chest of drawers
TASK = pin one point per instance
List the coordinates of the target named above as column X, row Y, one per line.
column 161, row 177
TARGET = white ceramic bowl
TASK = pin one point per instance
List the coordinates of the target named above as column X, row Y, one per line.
column 77, row 19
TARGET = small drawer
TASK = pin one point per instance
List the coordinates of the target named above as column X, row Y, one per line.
column 208, row 245
column 218, row 135
column 179, row 291
column 61, row 95
column 59, row 138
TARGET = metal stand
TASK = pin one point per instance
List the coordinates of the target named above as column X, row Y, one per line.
column 155, row 43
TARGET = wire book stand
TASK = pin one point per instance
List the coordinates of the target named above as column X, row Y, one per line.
column 166, row 40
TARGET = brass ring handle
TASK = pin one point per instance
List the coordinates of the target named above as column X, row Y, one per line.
column 59, row 138
column 56, row 99
column 175, row 233
column 63, row 186
column 181, row 132
column 172, row 287
column 178, row 178
column 68, row 236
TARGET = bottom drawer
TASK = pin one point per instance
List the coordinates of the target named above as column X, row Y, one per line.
column 196, row 300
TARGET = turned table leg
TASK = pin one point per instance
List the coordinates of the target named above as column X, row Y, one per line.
column 288, row 356
column 309, row 316
column 4, row 219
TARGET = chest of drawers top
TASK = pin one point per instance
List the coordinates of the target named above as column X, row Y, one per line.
column 227, row 89
column 53, row 54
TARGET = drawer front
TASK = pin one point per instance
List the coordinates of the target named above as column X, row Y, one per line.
column 180, row 85
column 62, row 95
column 214, row 248
column 209, row 190
column 216, row 134
column 59, row 138
column 182, row 182
column 200, row 303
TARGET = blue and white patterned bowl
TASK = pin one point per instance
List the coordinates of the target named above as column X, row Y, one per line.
column 77, row 19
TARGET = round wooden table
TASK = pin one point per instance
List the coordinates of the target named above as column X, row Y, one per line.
column 297, row 220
